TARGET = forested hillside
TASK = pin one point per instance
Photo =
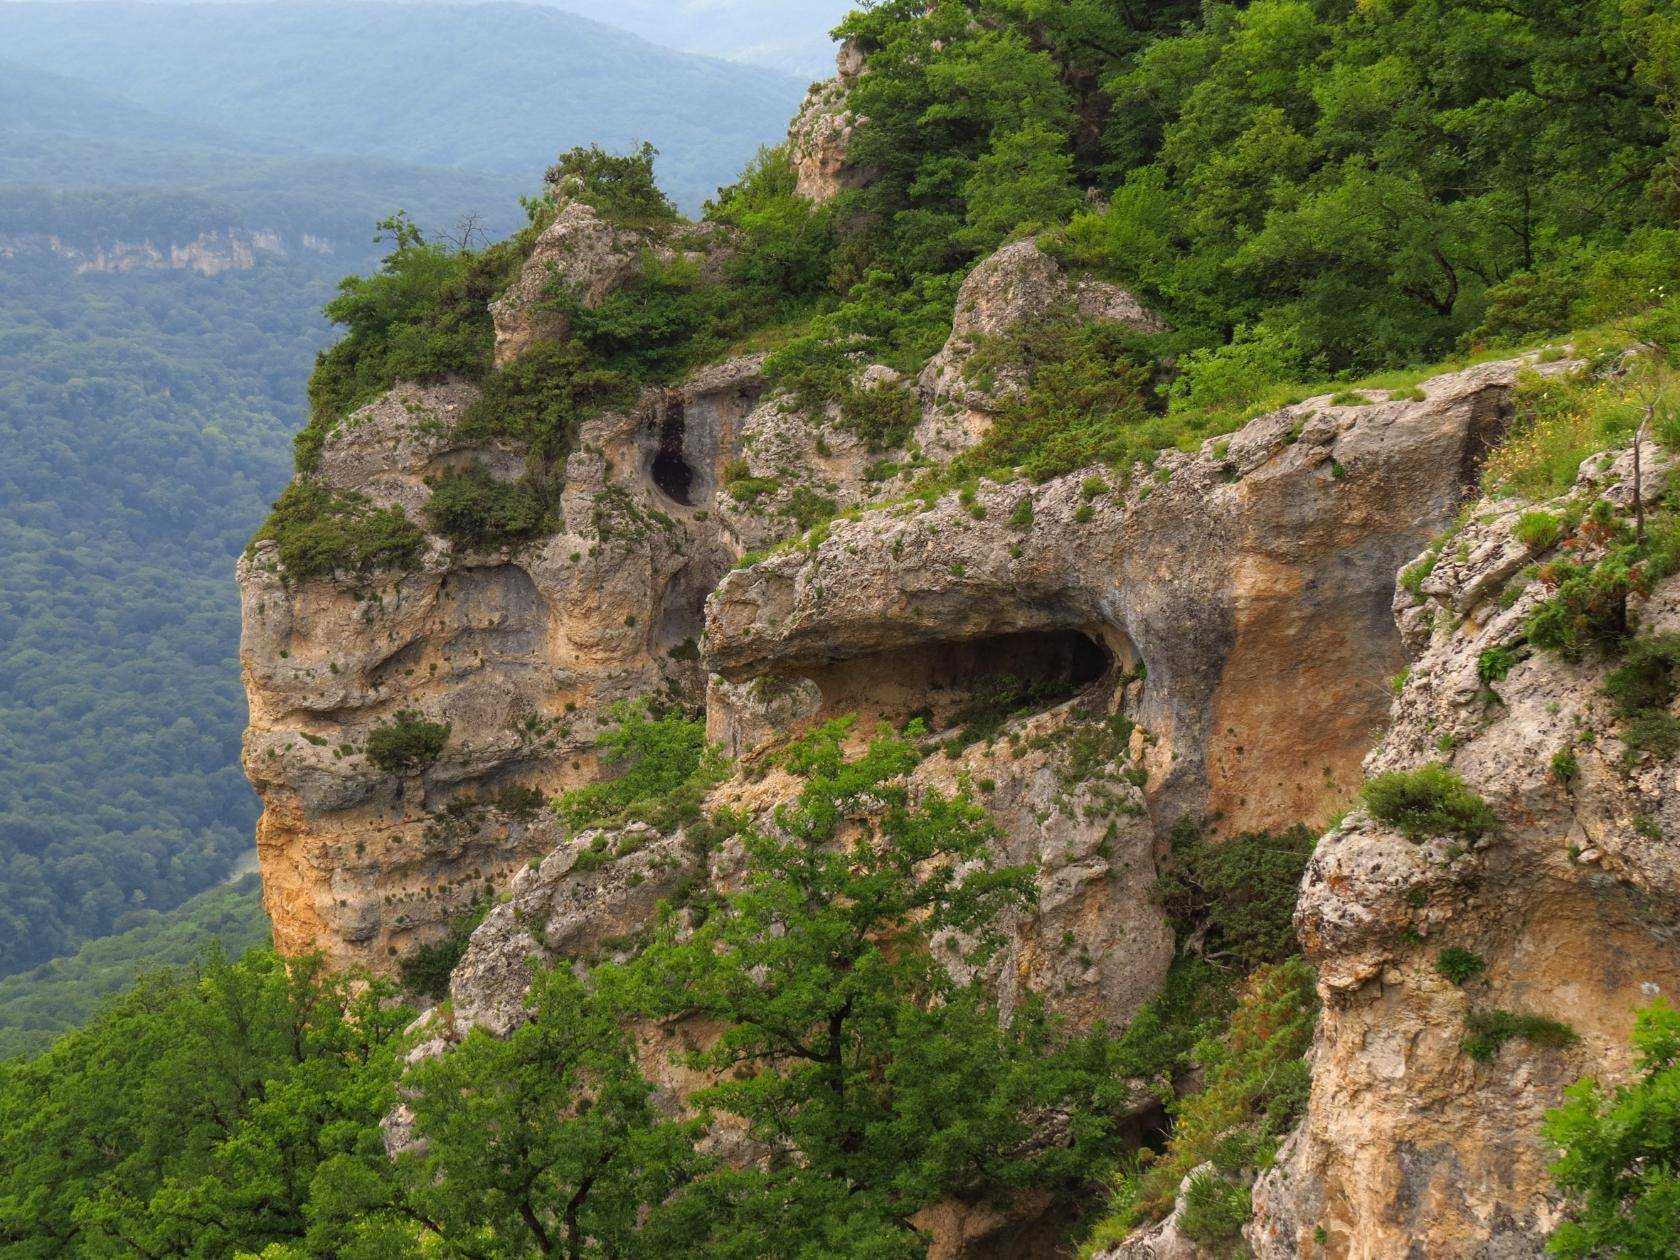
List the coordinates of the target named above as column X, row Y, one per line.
column 493, row 88
column 1315, row 200
column 144, row 422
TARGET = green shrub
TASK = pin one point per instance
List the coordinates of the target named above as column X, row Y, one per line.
column 470, row 507
column 1460, row 965
column 664, row 770
column 1566, row 768
column 1236, row 894
column 407, row 744
column 424, row 315
column 1486, row 1032
column 1538, row 531
column 1215, row 1209
column 1428, row 801
column 883, row 415
column 427, row 969
column 541, row 399
column 1256, row 1081
column 317, row 531
column 1619, row 1152
column 783, row 254
column 1496, row 663
column 621, row 187
column 1642, row 687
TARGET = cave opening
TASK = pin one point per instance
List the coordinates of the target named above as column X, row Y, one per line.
column 981, row 681
column 671, row 471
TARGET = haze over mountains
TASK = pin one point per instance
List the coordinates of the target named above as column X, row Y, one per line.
column 496, row 87
column 147, row 409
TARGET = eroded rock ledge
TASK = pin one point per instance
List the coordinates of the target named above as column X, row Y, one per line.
column 1246, row 587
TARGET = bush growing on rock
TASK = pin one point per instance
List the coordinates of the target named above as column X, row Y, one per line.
column 1620, row 1152
column 472, row 508
column 1429, row 801
column 317, row 532
column 408, row 744
column 621, row 187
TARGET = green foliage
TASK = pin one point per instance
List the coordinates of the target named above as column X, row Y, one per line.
column 1619, row 1152
column 1460, row 965
column 665, row 769
column 1565, row 766
column 545, row 1139
column 1559, row 422
column 1257, row 1080
column 318, row 532
column 1086, row 401
column 426, row 970
column 422, row 317
column 1496, row 663
column 1236, row 895
column 1587, row 609
column 621, row 187
column 1429, row 801
column 1215, row 1209
column 883, row 414
column 198, row 1114
column 470, row 507
column 1538, row 531
column 785, row 246
column 1486, row 1032
column 407, row 744
column 145, row 423
column 39, row 1005
column 843, row 1036
column 540, row 399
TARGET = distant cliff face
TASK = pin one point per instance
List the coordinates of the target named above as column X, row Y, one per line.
column 209, row 253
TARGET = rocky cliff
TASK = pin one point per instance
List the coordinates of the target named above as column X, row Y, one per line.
column 1207, row 638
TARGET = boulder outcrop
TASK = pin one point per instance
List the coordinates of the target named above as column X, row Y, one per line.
column 1246, row 589
column 1411, row 1146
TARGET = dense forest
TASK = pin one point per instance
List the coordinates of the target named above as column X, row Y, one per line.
column 145, row 423
column 1308, row 191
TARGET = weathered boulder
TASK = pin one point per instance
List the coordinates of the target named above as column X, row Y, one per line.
column 1246, row 587
column 1410, row 1146
column 1013, row 289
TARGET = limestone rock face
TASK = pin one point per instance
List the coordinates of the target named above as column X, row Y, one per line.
column 1016, row 287
column 821, row 133
column 582, row 253
column 1246, row 588
column 1410, row 1147
column 1096, row 944
column 522, row 651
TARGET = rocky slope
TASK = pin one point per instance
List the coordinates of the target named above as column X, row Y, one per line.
column 1410, row 1145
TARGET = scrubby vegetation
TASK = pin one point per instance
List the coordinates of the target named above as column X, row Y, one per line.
column 317, row 531
column 1429, row 801
column 1619, row 1151
column 1486, row 1032
column 407, row 743
column 661, row 770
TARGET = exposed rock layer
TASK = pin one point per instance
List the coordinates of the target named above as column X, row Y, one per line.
column 1410, row 1147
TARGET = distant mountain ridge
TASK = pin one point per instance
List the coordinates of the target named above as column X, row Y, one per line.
column 492, row 87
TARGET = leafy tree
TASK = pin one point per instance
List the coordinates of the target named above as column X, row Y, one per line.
column 621, row 187
column 1620, row 1161
column 192, row 1116
column 844, row 1036
column 548, row 1142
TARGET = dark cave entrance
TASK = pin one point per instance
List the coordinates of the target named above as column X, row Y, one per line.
column 983, row 681
column 671, row 471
